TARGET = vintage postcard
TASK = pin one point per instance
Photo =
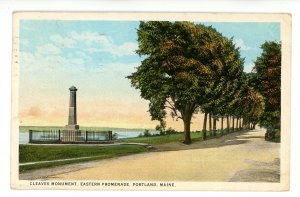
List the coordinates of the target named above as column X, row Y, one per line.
column 151, row 101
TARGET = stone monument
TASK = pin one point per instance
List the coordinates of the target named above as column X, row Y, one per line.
column 72, row 123
column 71, row 131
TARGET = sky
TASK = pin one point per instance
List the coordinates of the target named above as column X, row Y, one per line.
column 96, row 57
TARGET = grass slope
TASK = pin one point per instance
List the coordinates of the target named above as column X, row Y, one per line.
column 35, row 153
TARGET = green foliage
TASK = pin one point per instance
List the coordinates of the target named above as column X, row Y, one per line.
column 161, row 127
column 189, row 67
column 268, row 83
column 170, row 131
column 249, row 103
column 223, row 86
column 114, row 136
column 182, row 68
column 146, row 133
column 277, row 136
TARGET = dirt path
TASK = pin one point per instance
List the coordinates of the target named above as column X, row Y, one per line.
column 241, row 156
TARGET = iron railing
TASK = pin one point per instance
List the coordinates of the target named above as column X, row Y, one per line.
column 69, row 136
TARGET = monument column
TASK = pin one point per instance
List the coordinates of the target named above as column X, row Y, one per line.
column 72, row 123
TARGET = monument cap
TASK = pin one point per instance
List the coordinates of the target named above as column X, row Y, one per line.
column 73, row 88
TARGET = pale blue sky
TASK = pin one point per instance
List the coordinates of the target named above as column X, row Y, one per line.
column 249, row 36
column 96, row 56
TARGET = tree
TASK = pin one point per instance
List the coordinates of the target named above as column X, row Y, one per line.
column 250, row 101
column 224, row 83
column 161, row 127
column 268, row 75
column 176, row 69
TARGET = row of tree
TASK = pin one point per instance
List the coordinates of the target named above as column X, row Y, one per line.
column 189, row 68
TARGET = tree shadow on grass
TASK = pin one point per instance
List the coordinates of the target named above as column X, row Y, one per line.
column 230, row 139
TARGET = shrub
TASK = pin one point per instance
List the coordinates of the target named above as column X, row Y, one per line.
column 277, row 135
column 273, row 135
column 161, row 127
column 147, row 133
column 170, row 131
column 114, row 136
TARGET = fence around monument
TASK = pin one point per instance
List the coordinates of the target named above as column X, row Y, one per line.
column 65, row 136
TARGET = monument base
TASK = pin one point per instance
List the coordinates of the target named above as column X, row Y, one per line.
column 72, row 127
column 71, row 134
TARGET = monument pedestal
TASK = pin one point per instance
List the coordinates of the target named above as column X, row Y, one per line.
column 71, row 134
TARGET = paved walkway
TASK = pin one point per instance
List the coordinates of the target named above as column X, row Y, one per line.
column 51, row 161
column 241, row 156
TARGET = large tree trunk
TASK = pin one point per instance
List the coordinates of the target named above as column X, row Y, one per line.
column 187, row 131
column 240, row 125
column 232, row 123
column 209, row 124
column 214, row 126
column 254, row 125
column 228, row 126
column 204, row 127
column 186, row 117
column 237, row 124
column 222, row 119
column 244, row 124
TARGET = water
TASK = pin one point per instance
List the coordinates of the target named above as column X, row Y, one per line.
column 121, row 134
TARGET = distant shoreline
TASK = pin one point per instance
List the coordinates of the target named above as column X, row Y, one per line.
column 26, row 128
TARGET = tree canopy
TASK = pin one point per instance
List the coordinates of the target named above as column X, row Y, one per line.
column 268, row 83
column 184, row 68
column 188, row 67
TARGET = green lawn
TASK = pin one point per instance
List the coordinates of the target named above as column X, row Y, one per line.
column 35, row 153
column 176, row 137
